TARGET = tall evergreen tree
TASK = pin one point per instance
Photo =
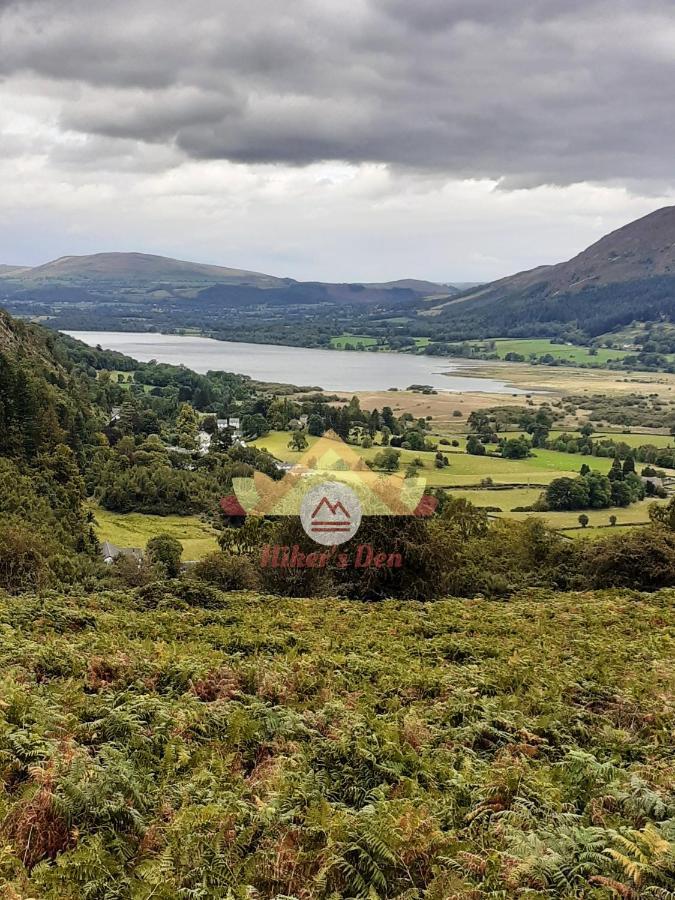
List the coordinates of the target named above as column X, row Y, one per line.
column 629, row 465
column 616, row 472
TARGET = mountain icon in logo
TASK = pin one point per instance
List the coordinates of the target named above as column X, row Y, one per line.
column 334, row 518
column 330, row 513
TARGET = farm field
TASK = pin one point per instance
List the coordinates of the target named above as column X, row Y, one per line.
column 362, row 340
column 463, row 469
column 634, row 439
column 507, row 500
column 183, row 744
column 542, row 346
column 136, row 529
column 128, row 379
column 541, row 468
column 441, row 406
column 635, row 514
column 529, row 474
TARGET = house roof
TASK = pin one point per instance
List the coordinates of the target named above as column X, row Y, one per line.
column 112, row 551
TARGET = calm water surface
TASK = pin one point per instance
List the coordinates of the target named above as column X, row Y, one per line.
column 334, row 370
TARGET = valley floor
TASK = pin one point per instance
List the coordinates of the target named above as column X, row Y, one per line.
column 177, row 742
column 517, row 483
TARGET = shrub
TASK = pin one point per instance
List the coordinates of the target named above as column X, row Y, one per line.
column 516, row 448
column 567, row 494
column 229, row 572
column 195, row 594
column 474, row 446
column 132, row 572
column 643, row 559
column 23, row 563
column 165, row 550
column 663, row 515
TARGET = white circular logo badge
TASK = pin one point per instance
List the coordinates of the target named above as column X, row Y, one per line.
column 330, row 513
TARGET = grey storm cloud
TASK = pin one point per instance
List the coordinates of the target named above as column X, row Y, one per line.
column 528, row 91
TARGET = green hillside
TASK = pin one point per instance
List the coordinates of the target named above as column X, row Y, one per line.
column 625, row 276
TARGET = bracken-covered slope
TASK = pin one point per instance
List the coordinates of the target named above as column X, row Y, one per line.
column 177, row 742
column 628, row 274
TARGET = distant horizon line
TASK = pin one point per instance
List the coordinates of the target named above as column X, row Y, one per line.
column 253, row 271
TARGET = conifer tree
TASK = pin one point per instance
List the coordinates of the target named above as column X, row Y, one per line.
column 616, row 472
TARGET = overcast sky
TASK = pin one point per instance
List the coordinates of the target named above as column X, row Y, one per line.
column 333, row 139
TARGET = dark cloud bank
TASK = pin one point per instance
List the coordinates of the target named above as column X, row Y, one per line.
column 531, row 91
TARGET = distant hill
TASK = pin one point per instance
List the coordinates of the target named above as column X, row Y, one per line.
column 466, row 285
column 628, row 274
column 412, row 284
column 137, row 268
column 124, row 273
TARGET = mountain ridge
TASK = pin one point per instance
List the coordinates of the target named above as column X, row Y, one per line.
column 138, row 267
column 87, row 270
column 620, row 250
column 637, row 259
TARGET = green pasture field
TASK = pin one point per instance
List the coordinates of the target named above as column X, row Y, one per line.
column 136, row 529
column 507, row 500
column 114, row 373
column 124, row 384
column 464, row 470
column 542, row 346
column 637, row 439
column 504, row 499
column 362, row 340
column 635, row 514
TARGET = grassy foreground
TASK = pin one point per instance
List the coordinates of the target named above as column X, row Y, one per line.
column 177, row 742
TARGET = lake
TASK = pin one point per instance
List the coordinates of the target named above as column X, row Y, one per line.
column 333, row 370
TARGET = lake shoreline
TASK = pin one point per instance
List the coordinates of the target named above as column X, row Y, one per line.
column 341, row 370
